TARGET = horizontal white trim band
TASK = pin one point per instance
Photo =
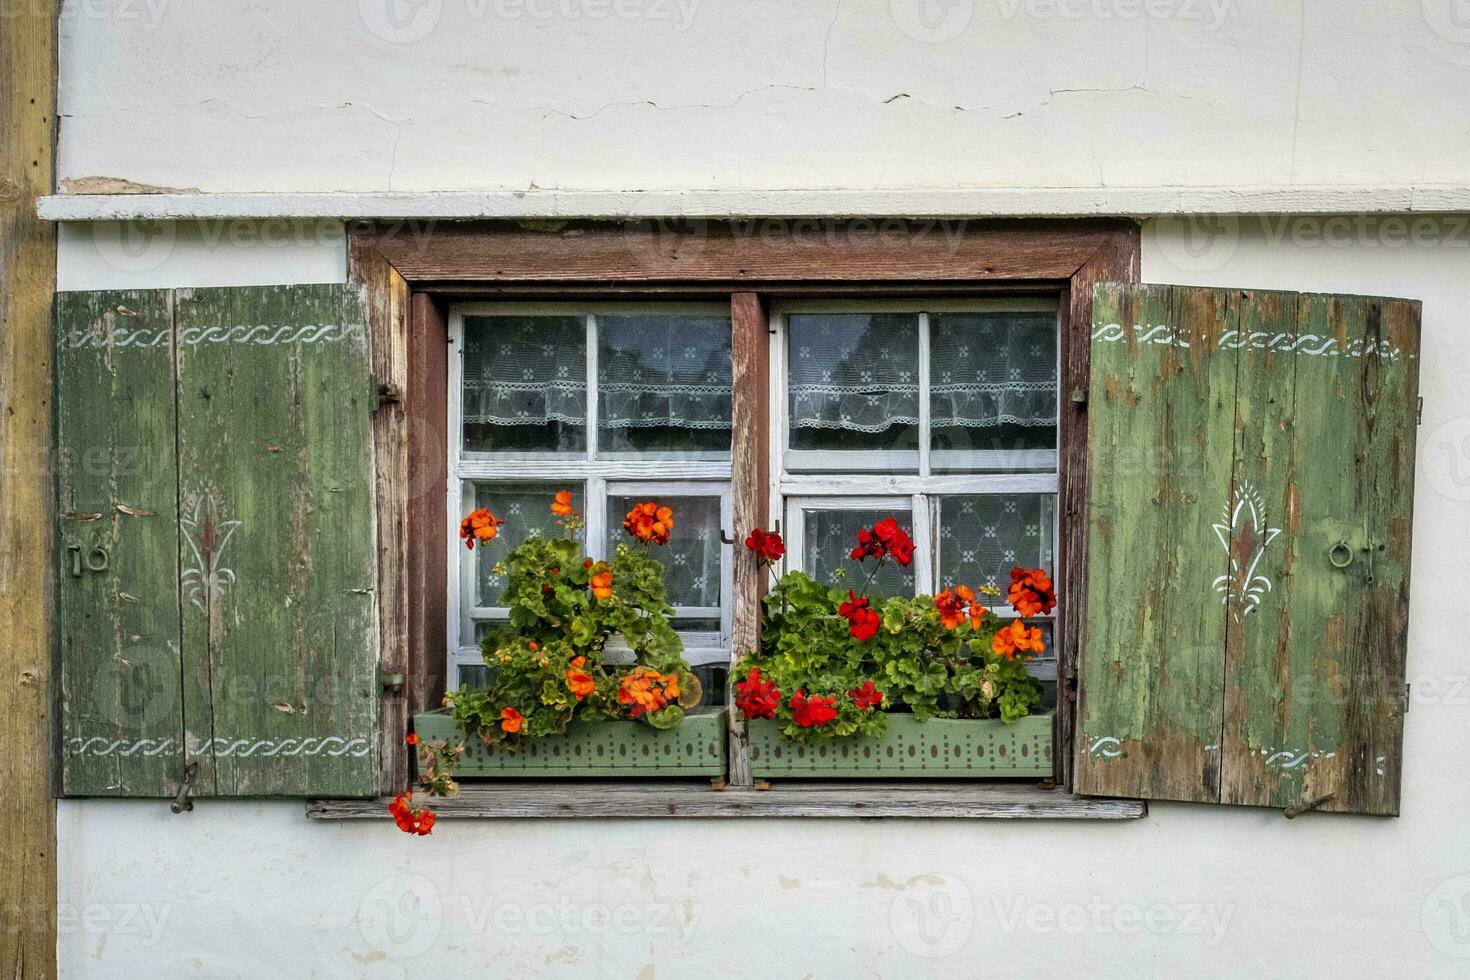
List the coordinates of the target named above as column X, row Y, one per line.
column 953, row 202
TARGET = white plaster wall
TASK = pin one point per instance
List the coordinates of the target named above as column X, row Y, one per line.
column 254, row 889
column 374, row 95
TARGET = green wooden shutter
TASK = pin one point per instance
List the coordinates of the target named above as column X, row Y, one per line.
column 117, row 601
column 261, row 561
column 1251, row 484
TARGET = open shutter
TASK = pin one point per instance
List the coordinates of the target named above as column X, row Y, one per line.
column 1251, row 474
column 258, row 569
column 117, row 601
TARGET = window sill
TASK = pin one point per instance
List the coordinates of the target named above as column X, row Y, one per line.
column 995, row 801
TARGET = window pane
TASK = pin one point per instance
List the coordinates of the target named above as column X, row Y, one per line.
column 993, row 384
column 663, row 383
column 525, row 383
column 526, row 510
column 981, row 538
column 853, row 381
column 691, row 559
column 829, row 537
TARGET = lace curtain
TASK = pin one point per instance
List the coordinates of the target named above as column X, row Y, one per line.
column 987, row 370
column 526, row 510
column 663, row 382
column 664, row 373
column 859, row 373
column 525, row 370
column 691, row 559
column 829, row 537
column 982, row 537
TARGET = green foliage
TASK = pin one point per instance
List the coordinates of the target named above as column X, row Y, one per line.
column 558, row 630
column 920, row 665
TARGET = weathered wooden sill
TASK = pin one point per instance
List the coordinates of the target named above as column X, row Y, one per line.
column 626, row 799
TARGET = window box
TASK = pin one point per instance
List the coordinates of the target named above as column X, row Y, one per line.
column 910, row 749
column 695, row 747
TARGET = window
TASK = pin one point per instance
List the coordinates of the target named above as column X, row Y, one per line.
column 614, row 402
column 940, row 413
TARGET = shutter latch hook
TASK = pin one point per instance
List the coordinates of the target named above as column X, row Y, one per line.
column 1297, row 809
column 182, row 802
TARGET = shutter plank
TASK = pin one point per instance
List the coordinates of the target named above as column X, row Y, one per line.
column 1317, row 688
column 118, row 627
column 1161, row 438
column 275, row 445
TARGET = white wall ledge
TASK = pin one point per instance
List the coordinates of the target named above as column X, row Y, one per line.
column 980, row 203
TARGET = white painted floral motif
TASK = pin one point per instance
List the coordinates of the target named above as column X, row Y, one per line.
column 1244, row 536
column 207, row 535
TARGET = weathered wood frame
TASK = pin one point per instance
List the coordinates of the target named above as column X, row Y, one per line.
column 413, row 269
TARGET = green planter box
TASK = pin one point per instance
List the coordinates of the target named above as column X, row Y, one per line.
column 600, row 748
column 935, row 749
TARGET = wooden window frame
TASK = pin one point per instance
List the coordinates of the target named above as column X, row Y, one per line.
column 413, row 270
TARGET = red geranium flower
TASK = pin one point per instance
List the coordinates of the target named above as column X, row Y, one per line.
column 756, row 696
column 812, row 712
column 409, row 818
column 862, row 619
column 1031, row 592
column 767, row 545
column 867, row 697
column 884, row 540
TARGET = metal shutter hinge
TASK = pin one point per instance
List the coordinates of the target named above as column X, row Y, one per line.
column 1079, row 396
column 385, row 392
column 391, row 682
column 182, row 803
column 1419, row 416
column 1297, row 809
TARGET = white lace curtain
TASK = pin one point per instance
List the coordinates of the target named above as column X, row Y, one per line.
column 652, row 371
column 663, row 372
column 860, row 373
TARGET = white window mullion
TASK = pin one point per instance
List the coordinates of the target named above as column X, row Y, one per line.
column 923, row 546
column 453, row 500
column 594, row 518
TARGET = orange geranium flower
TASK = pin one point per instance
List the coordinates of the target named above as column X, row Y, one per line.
column 411, row 738
column 511, row 720
column 1031, row 592
column 579, row 682
column 951, row 609
column 646, row 690
column 409, row 818
column 649, row 523
column 480, row 526
column 601, row 583
column 1017, row 637
column 562, row 505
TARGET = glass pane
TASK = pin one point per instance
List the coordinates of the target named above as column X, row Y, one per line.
column 853, row 381
column 525, row 383
column 830, row 535
column 993, row 385
column 691, row 559
column 663, row 383
column 981, row 538
column 526, row 510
